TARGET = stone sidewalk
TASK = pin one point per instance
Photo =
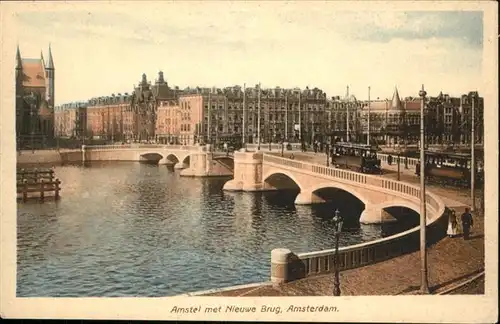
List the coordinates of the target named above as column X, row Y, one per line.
column 451, row 261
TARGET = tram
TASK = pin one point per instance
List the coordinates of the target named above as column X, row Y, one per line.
column 450, row 167
column 356, row 157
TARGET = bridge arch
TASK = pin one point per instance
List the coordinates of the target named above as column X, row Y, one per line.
column 172, row 158
column 186, row 160
column 280, row 179
column 317, row 188
column 400, row 203
column 151, row 157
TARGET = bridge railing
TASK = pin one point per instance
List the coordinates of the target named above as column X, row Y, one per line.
column 392, row 185
column 315, row 168
column 320, row 262
column 145, row 146
column 411, row 161
column 274, row 147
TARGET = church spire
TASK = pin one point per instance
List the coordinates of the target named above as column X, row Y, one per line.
column 19, row 63
column 50, row 64
column 161, row 80
column 396, row 101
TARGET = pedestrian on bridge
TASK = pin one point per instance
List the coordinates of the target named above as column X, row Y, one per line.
column 452, row 224
column 467, row 223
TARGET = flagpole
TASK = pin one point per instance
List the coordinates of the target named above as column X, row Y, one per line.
column 209, row 133
column 300, row 117
column 347, row 115
column 258, row 118
column 369, row 102
column 286, row 117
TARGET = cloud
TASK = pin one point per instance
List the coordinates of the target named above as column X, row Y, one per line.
column 466, row 27
column 98, row 52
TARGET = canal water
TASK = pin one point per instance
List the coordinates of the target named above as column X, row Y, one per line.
column 130, row 229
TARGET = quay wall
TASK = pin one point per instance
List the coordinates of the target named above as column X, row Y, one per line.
column 287, row 266
column 39, row 157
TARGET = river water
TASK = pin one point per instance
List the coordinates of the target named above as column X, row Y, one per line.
column 130, row 229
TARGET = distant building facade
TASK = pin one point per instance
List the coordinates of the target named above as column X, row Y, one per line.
column 35, row 91
column 70, row 120
column 163, row 114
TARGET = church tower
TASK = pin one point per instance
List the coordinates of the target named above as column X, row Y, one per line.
column 50, row 80
column 19, row 92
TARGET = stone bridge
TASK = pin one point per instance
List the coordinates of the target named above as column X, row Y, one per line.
column 194, row 160
column 257, row 171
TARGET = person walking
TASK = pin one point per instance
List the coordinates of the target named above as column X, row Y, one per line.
column 389, row 160
column 452, row 225
column 467, row 223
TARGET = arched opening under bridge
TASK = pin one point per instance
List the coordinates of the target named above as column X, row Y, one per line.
column 348, row 204
column 186, row 162
column 282, row 190
column 281, row 181
column 172, row 159
column 405, row 216
column 151, row 158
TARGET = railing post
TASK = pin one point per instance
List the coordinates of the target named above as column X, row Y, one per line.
column 58, row 182
column 42, row 190
column 25, row 190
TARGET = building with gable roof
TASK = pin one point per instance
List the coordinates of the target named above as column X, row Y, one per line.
column 35, row 89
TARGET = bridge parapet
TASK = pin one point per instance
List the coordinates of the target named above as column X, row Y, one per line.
column 145, row 146
column 287, row 266
column 253, row 169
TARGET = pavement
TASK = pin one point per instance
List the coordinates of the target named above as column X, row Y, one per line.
column 451, row 261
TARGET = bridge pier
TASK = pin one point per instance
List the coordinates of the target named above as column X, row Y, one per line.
column 247, row 174
column 308, row 198
column 375, row 215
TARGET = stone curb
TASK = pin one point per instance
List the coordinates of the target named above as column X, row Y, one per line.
column 455, row 287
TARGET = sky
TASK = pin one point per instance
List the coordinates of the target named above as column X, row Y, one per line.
column 101, row 49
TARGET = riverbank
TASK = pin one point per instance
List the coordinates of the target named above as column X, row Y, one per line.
column 47, row 157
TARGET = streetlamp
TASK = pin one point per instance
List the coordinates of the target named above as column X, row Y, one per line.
column 424, row 285
column 472, row 151
column 327, row 155
column 337, row 221
column 399, row 161
column 282, row 147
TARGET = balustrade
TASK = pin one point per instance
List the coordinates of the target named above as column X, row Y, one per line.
column 320, row 262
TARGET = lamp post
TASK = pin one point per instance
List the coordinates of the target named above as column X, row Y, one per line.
column 424, row 285
column 399, row 160
column 369, row 106
column 282, row 147
column 258, row 118
column 327, row 155
column 472, row 160
column 337, row 221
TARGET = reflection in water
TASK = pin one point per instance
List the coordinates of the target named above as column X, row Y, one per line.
column 124, row 229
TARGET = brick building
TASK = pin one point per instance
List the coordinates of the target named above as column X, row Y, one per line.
column 167, row 122
column 70, row 120
column 216, row 115
column 110, row 118
column 145, row 101
column 35, row 87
